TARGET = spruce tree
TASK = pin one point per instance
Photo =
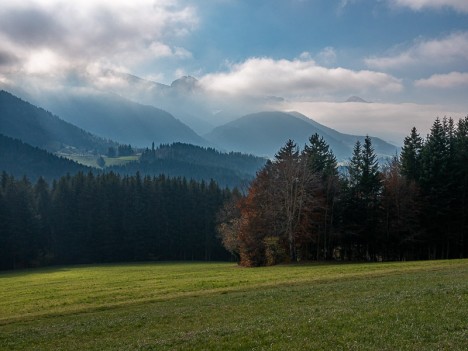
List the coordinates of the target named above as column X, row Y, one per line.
column 411, row 155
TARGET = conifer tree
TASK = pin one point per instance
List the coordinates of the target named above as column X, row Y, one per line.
column 411, row 155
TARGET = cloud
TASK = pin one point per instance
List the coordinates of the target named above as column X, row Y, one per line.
column 417, row 5
column 327, row 56
column 389, row 121
column 293, row 78
column 444, row 81
column 437, row 52
column 43, row 36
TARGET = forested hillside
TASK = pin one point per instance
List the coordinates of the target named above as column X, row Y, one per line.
column 195, row 162
column 90, row 218
column 35, row 126
column 20, row 159
column 115, row 117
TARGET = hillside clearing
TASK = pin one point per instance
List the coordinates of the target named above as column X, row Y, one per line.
column 200, row 306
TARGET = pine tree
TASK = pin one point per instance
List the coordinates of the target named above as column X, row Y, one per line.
column 411, row 155
column 322, row 173
column 436, row 182
column 460, row 169
column 362, row 199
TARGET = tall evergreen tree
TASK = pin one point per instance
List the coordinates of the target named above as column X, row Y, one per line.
column 436, row 181
column 411, row 155
column 321, row 167
column 362, row 200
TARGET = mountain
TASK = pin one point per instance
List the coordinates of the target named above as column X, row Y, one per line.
column 356, row 99
column 114, row 117
column 264, row 133
column 20, row 159
column 185, row 84
column 33, row 125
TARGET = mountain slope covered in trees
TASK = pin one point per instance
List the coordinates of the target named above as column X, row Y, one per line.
column 265, row 132
column 114, row 117
column 20, row 159
column 35, row 126
column 195, row 162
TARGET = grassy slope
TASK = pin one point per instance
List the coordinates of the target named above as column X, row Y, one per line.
column 91, row 161
column 387, row 306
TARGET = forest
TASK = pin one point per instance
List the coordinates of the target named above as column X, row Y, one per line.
column 300, row 207
column 88, row 218
column 231, row 169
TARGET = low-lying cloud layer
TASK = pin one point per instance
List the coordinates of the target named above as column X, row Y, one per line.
column 444, row 81
column 392, row 122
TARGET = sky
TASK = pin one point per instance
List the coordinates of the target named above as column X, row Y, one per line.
column 408, row 57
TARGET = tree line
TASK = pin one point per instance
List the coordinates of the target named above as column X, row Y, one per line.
column 89, row 218
column 301, row 207
column 178, row 159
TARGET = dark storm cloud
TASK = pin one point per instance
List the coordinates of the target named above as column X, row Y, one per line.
column 56, row 37
column 31, row 26
column 7, row 59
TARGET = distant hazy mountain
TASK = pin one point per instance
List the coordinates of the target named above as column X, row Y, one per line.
column 356, row 99
column 114, row 117
column 20, row 159
column 265, row 132
column 33, row 125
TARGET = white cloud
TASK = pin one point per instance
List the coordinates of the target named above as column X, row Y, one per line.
column 444, row 81
column 43, row 36
column 293, row 78
column 458, row 5
column 437, row 52
column 327, row 56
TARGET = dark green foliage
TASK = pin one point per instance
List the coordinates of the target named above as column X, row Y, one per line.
column 361, row 203
column 411, row 155
column 195, row 162
column 125, row 150
column 111, row 152
column 319, row 156
column 19, row 159
column 90, row 218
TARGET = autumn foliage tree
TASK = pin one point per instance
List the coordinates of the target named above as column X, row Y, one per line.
column 275, row 216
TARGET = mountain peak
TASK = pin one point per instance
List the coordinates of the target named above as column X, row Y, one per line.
column 356, row 99
column 188, row 83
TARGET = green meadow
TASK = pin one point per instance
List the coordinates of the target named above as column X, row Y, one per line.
column 220, row 306
column 91, row 160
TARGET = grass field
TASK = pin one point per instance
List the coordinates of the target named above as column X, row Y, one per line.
column 91, row 160
column 219, row 306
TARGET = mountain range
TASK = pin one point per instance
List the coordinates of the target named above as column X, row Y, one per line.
column 31, row 140
column 114, row 117
column 92, row 120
